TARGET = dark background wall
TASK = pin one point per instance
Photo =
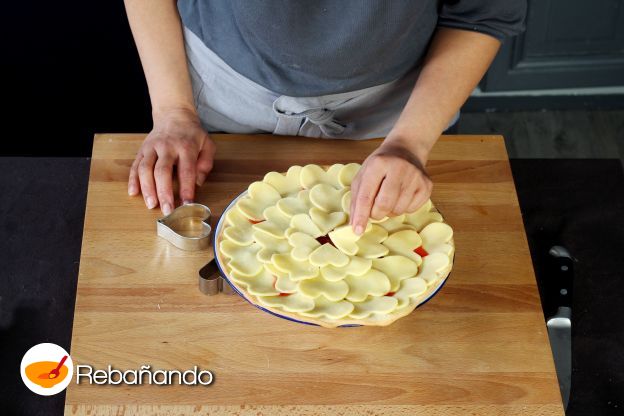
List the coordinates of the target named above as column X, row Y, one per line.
column 567, row 44
column 70, row 69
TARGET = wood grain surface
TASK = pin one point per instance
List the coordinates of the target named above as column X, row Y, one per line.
column 479, row 347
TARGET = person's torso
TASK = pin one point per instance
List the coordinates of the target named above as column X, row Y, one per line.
column 311, row 48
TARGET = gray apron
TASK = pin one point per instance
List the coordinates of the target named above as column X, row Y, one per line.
column 229, row 102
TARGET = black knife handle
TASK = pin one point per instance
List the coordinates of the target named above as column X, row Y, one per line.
column 563, row 275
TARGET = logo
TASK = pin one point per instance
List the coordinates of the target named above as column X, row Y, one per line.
column 47, row 369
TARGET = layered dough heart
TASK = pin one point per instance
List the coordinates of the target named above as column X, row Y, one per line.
column 287, row 246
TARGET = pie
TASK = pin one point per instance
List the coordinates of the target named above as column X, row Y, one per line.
column 286, row 245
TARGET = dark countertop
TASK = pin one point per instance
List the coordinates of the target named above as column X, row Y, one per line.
column 575, row 203
column 41, row 218
column 579, row 203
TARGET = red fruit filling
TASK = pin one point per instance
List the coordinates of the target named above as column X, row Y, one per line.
column 421, row 251
column 324, row 239
column 255, row 222
column 389, row 293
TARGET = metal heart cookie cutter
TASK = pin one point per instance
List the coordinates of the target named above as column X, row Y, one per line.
column 211, row 282
column 187, row 227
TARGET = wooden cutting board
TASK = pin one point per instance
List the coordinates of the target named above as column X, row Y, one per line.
column 478, row 347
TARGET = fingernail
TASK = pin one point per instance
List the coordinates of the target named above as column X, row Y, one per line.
column 359, row 229
column 201, row 178
column 166, row 208
column 187, row 201
column 132, row 190
column 150, row 202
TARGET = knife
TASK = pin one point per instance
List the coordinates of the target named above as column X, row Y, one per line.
column 560, row 325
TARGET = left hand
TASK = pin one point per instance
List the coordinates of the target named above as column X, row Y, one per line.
column 391, row 181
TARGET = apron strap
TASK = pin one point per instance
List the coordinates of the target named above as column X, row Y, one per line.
column 313, row 122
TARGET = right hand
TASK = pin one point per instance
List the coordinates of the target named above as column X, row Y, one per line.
column 177, row 138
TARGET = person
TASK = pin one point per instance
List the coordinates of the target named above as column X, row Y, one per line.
column 399, row 69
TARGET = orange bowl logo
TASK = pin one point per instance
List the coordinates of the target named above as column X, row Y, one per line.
column 47, row 369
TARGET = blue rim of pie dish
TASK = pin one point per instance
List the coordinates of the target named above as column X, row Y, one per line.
column 288, row 318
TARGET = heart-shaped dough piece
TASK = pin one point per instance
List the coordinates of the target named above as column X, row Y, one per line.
column 242, row 258
column 327, row 221
column 235, row 218
column 275, row 224
column 261, row 284
column 286, row 285
column 404, row 243
column 285, row 184
column 302, row 245
column 318, row 286
column 326, row 308
column 314, row 174
column 357, row 266
column 423, row 216
column 379, row 305
column 369, row 245
column 303, row 223
column 327, row 255
column 433, row 266
column 270, row 245
column 410, row 288
column 238, row 228
column 259, row 197
column 326, row 198
column 345, row 239
column 296, row 270
column 239, row 235
column 283, row 283
column 296, row 302
column 371, row 283
column 396, row 268
column 347, row 173
column 436, row 233
column 294, row 205
column 394, row 224
column 435, row 238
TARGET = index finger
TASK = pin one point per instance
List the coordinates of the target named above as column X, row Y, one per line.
column 370, row 182
column 146, row 178
column 355, row 186
column 163, row 175
column 186, row 177
column 133, row 176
